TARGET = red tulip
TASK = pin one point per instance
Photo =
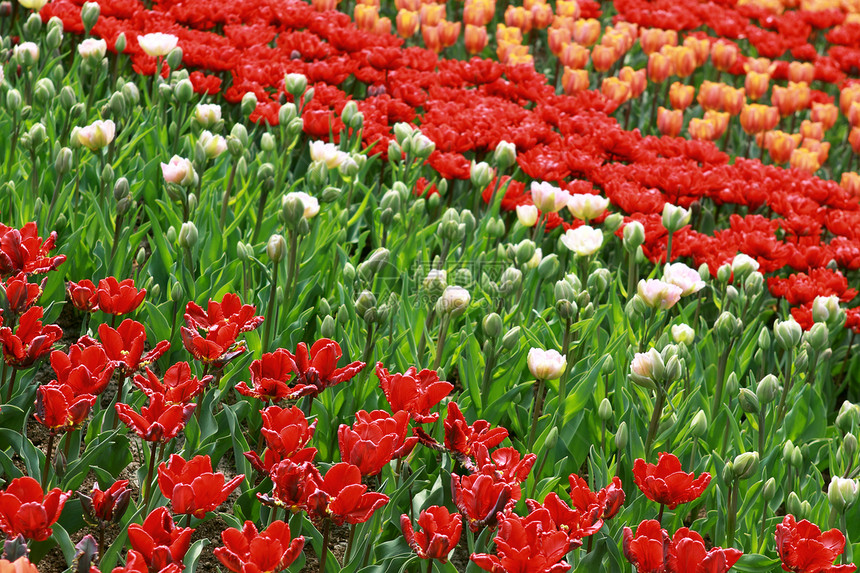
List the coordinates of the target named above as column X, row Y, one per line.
column 24, row 250
column 30, row 340
column 270, row 377
column 87, row 370
column 480, row 498
column 317, row 370
column 229, row 311
column 688, row 554
column 374, row 440
column 26, row 510
column 577, row 523
column 20, row 565
column 526, row 544
column 648, row 549
column 667, row 483
column 117, row 297
column 804, row 549
column 84, row 295
column 124, row 346
column 342, row 497
column 218, row 347
column 287, row 432
column 414, row 392
column 294, row 484
column 251, row 551
column 505, row 465
column 136, row 563
column 192, row 486
column 106, row 507
column 609, row 499
column 159, row 422
column 438, row 535
column 462, row 438
column 178, row 386
column 58, row 409
column 159, row 541
column 19, row 295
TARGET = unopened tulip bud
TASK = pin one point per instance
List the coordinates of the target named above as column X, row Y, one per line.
column 742, row 265
column 849, row 445
column 748, row 400
column 171, row 234
column 548, row 266
column 375, row 262
column 328, row 327
column 492, row 325
column 848, row 417
column 796, row 458
column 699, row 424
column 188, row 235
column 613, row 222
column 89, row 15
column 63, row 162
column 801, row 362
column 480, row 174
column 605, row 410
column 295, row 84
column 683, row 334
column 768, row 389
column 634, row 236
column 120, row 43
column 174, row 58
column 621, row 436
column 818, row 336
column 249, row 103
column 787, row 333
column 674, row 218
column 276, row 248
column 793, row 505
column 824, row 308
column 842, row 493
column 505, row 155
column 745, row 465
column 511, row 339
column 365, row 303
column 454, row 301
column 121, row 189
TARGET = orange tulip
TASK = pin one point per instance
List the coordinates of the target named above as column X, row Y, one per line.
column 659, row 67
column 825, row 113
column 407, row 23
column 636, row 79
column 724, row 55
column 710, row 95
column 851, row 182
column 681, row 95
column 669, row 121
column 756, row 84
column 603, row 58
column 573, row 81
column 805, row 160
column 558, row 39
column 574, row 56
column 586, row 32
column 812, row 129
column 475, row 38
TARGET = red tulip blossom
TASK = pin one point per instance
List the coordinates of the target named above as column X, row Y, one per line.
column 342, row 497
column 526, row 544
column 648, row 549
column 438, row 535
column 270, row 377
column 23, row 250
column 461, row 438
column 687, row 553
column 667, row 483
column 252, row 551
column 192, row 486
column 84, row 295
column 18, row 295
column 135, row 562
column 316, row 370
column 287, row 432
column 294, row 484
column 26, row 510
column 119, row 297
column 124, row 346
column 178, row 385
column 20, row 565
column 802, row 547
column 59, row 409
column 30, row 341
column 159, row 541
column 575, row 522
column 414, row 392
column 217, row 314
column 609, row 499
column 158, row 422
column 217, row 348
column 480, row 498
column 86, row 369
column 374, row 440
column 108, row 506
column 505, row 465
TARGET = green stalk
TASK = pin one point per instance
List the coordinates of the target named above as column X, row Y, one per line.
column 324, row 552
column 270, row 309
column 440, row 342
column 225, row 201
column 721, row 378
column 536, row 409
column 48, row 455
column 654, row 425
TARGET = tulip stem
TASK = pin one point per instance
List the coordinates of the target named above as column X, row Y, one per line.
column 11, row 384
column 430, row 565
column 489, row 365
column 440, row 342
column 721, row 378
column 270, row 309
column 48, row 454
column 537, row 405
column 786, row 388
column 225, row 201
column 655, row 421
column 324, row 552
column 428, row 322
column 731, row 519
column 660, row 513
column 148, row 485
column 562, row 382
column 350, row 540
column 763, row 539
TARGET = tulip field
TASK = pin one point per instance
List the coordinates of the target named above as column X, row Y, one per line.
column 408, row 286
